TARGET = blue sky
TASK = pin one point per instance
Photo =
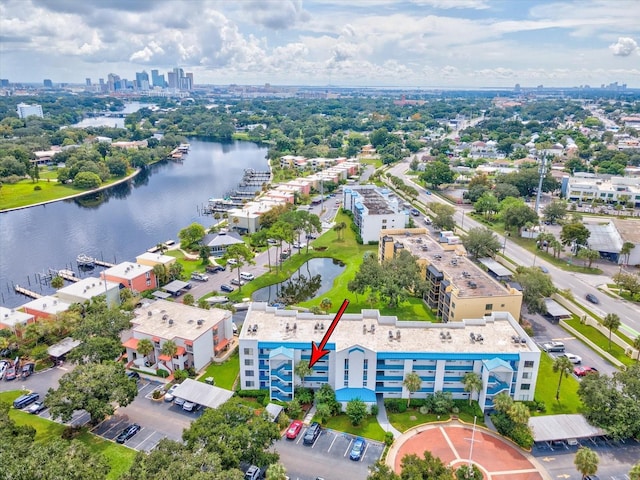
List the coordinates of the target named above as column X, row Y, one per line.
column 413, row 43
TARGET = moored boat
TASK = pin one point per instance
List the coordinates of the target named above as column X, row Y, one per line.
column 84, row 260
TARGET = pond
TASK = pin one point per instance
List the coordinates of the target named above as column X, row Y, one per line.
column 312, row 279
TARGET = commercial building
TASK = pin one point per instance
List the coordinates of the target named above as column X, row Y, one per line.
column 457, row 288
column 585, row 187
column 200, row 335
column 374, row 209
column 371, row 354
column 608, row 236
column 24, row 110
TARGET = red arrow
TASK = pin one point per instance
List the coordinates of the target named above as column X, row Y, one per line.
column 318, row 351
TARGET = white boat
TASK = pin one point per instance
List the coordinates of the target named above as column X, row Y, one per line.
column 84, row 260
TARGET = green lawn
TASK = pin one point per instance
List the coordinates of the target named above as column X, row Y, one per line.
column 547, row 385
column 412, row 418
column 601, row 340
column 369, row 428
column 225, row 374
column 119, row 457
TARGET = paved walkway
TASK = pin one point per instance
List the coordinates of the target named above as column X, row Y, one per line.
column 383, row 420
column 457, row 444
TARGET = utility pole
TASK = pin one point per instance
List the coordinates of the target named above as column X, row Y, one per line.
column 543, row 171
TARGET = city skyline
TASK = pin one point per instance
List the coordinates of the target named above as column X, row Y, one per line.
column 417, row 43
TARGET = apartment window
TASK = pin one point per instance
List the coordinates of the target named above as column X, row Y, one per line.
column 249, row 373
column 250, row 384
column 488, row 306
column 148, row 275
column 526, row 375
column 365, row 370
column 453, row 305
column 346, row 370
column 189, row 348
column 148, row 283
column 248, row 362
column 525, row 386
column 384, row 220
column 528, row 364
column 248, row 351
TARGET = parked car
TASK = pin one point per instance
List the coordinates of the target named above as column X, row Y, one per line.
column 553, row 347
column 311, row 236
column 575, row 359
column 415, row 212
column 427, row 192
column 226, row 288
column 582, row 371
column 4, row 365
column 200, row 277
column 232, row 261
column 36, row 407
column 235, row 281
column 272, row 241
column 190, row 406
column 10, row 374
column 247, row 276
column 215, row 268
column 25, row 400
column 357, row 450
column 543, row 269
column 27, row 369
column 294, row 429
column 134, row 375
column 178, row 402
column 253, row 473
column 592, row 298
column 299, row 245
column 128, row 432
column 168, row 397
column 312, row 433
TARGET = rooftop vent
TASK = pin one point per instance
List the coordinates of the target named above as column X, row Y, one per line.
column 286, row 328
column 171, row 321
column 295, row 327
column 397, row 334
column 390, row 335
column 164, row 317
column 149, row 313
column 364, row 329
column 373, row 328
column 200, row 322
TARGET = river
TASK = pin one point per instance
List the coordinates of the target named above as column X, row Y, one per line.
column 123, row 221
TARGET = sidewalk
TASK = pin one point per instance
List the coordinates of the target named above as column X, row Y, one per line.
column 309, row 416
column 383, row 420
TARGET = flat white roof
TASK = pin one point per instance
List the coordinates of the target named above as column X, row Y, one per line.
column 202, row 393
column 561, row 427
column 12, row 317
column 88, row 287
column 48, row 304
column 497, row 331
column 153, row 320
column 128, row 270
column 155, row 258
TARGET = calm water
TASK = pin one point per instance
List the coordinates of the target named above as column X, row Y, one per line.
column 110, row 121
column 123, row 222
column 326, row 268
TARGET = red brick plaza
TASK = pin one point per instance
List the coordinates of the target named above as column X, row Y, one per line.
column 497, row 458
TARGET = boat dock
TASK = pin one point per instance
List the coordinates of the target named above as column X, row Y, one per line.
column 102, row 263
column 178, row 152
column 68, row 275
column 253, row 178
column 28, row 293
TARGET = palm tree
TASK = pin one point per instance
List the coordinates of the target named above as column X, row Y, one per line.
column 612, row 322
column 565, row 367
column 636, row 345
column 626, row 250
column 557, row 247
column 169, row 348
column 519, row 413
column 502, row 402
column 302, row 369
column 57, row 282
column 145, row 347
column 412, row 383
column 586, row 461
column 545, row 237
column 472, row 383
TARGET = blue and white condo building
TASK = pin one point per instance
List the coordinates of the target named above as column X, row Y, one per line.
column 370, row 355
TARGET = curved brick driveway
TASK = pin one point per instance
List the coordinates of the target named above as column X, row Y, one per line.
column 497, row 458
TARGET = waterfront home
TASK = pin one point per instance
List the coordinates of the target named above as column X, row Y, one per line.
column 135, row 276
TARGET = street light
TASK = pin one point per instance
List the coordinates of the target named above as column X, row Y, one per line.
column 504, row 245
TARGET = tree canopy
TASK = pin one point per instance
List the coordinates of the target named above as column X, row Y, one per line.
column 536, row 285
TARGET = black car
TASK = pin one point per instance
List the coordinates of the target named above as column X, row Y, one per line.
column 215, row 268
column 128, row 432
column 312, row 433
column 592, row 298
column 226, row 288
column 134, row 375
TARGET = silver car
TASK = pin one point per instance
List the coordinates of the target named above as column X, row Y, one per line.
column 168, row 397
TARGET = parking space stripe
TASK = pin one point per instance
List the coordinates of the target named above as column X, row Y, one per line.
column 366, row 448
column 348, row 448
column 334, row 441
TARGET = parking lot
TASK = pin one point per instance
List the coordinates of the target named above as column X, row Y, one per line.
column 327, row 458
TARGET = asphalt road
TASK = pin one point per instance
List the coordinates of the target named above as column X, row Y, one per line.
column 579, row 284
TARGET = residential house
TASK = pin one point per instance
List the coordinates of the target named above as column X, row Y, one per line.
column 134, row 276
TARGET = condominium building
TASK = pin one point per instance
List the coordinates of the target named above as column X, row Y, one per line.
column 457, row 287
column 25, row 110
column 374, row 209
column 370, row 354
column 134, row 276
column 587, row 188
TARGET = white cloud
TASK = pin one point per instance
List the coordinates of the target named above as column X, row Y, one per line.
column 624, row 47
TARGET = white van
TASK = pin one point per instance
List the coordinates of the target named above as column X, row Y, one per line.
column 247, row 276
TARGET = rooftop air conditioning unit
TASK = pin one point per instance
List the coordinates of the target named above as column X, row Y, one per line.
column 149, row 313
column 397, row 334
column 200, row 322
column 171, row 321
column 164, row 317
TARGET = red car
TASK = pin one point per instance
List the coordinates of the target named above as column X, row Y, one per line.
column 294, row 429
column 582, row 371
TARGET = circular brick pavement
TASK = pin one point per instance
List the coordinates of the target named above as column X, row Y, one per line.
column 497, row 458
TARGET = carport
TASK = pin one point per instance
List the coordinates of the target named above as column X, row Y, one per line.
column 496, row 269
column 551, row 428
column 202, row 393
column 556, row 311
column 64, row 346
column 176, row 287
column 162, row 295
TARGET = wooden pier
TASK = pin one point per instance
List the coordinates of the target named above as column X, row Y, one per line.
column 26, row 292
column 102, row 263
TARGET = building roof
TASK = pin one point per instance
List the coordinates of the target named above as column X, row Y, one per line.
column 498, row 269
column 127, row 270
column 556, row 310
column 221, row 239
column 603, row 236
column 155, row 258
column 274, row 410
column 629, row 230
column 12, row 317
column 49, row 304
column 188, row 322
column 159, row 294
column 561, row 427
column 371, row 198
column 88, row 288
column 376, row 332
column 63, row 347
column 202, row 394
column 175, row 286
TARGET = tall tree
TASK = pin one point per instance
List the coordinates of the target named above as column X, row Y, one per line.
column 565, row 367
column 242, row 255
column 535, row 287
column 276, row 471
column 412, row 382
column 96, row 350
column 169, row 348
column 588, row 255
column 437, row 173
column 356, row 411
column 481, row 242
column 574, row 232
column 472, row 384
column 443, row 216
column 625, row 251
column 487, row 204
column 302, row 369
column 191, row 235
column 96, row 388
column 544, row 240
column 145, row 347
column 554, row 211
column 612, row 322
column 586, row 461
